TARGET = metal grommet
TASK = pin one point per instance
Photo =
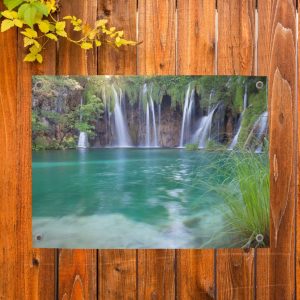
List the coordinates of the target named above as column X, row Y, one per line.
column 259, row 85
column 259, row 238
column 38, row 237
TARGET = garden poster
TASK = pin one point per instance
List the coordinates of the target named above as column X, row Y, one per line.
column 132, row 162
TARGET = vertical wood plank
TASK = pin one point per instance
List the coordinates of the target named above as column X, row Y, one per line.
column 277, row 58
column 41, row 262
column 236, row 49
column 117, row 268
column 122, row 15
column 10, row 257
column 77, row 268
column 21, row 266
column 156, row 56
column 196, row 55
column 196, row 37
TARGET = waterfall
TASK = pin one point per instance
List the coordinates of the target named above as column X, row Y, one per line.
column 155, row 141
column 147, row 137
column 121, row 129
column 261, row 124
column 203, row 132
column 83, row 137
column 236, row 137
column 83, row 140
column 151, row 139
column 186, row 119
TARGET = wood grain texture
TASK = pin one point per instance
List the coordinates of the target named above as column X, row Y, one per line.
column 72, row 60
column 196, row 37
column 10, row 256
column 156, row 274
column 156, row 31
column 236, row 49
column 77, row 268
column 122, row 14
column 195, row 55
column 156, row 56
column 21, row 266
column 117, row 272
column 277, row 59
column 40, row 263
column 236, row 34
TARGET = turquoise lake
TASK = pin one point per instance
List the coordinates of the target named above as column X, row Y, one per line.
column 125, row 198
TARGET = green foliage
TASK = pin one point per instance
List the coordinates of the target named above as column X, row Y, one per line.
column 244, row 185
column 257, row 105
column 191, row 147
column 212, row 145
column 37, row 19
column 40, row 143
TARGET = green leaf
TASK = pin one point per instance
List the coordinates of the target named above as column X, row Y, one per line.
column 11, row 4
column 42, row 8
column 29, row 15
column 51, row 36
column 6, row 24
column 30, row 57
column 22, row 10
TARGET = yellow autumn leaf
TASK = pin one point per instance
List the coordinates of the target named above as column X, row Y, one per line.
column 18, row 23
column 29, row 33
column 28, row 41
column 51, row 36
column 77, row 28
column 37, row 44
column 30, row 57
column 61, row 33
column 112, row 28
column 60, row 26
column 35, row 50
column 100, row 23
column 120, row 33
column 44, row 26
column 92, row 35
column 86, row 45
column 51, row 5
column 39, row 58
column 6, row 24
column 97, row 43
column 9, row 14
column 68, row 18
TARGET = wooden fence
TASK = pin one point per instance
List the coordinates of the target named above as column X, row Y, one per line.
column 245, row 37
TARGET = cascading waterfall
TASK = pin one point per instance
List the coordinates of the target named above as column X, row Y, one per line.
column 236, row 137
column 83, row 137
column 203, row 132
column 186, row 119
column 147, row 137
column 121, row 128
column 261, row 125
column 155, row 141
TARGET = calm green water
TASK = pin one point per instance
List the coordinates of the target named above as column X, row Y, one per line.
column 124, row 198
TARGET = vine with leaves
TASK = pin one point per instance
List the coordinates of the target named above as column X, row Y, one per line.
column 39, row 24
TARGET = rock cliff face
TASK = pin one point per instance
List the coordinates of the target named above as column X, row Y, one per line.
column 57, row 103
